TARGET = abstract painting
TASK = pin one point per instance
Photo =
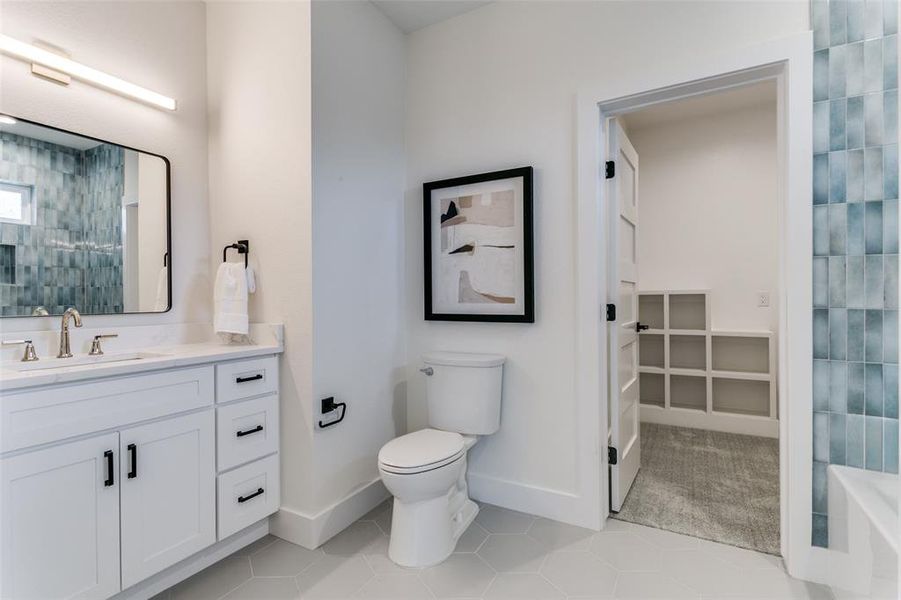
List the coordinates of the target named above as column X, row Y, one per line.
column 478, row 247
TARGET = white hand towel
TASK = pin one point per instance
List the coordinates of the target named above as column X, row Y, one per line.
column 230, row 299
column 162, row 290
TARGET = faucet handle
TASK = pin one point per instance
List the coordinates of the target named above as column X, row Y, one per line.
column 96, row 350
column 29, row 355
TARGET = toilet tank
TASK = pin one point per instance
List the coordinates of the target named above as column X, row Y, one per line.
column 464, row 391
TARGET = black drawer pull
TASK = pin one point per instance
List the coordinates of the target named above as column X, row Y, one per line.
column 133, row 456
column 256, row 377
column 108, row 455
column 242, row 499
column 256, row 429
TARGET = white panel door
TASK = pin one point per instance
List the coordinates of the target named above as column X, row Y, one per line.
column 60, row 521
column 623, row 352
column 168, row 493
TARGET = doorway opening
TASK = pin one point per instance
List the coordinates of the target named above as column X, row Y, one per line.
column 694, row 267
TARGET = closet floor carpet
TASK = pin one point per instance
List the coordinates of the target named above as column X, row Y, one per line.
column 716, row 486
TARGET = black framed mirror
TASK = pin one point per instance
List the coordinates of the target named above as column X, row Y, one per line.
column 83, row 222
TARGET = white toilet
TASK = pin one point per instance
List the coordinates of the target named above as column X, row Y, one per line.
column 426, row 470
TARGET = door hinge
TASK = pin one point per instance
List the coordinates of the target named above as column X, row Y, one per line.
column 611, row 455
column 609, row 169
column 611, row 312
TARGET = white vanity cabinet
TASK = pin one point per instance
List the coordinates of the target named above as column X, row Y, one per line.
column 108, row 482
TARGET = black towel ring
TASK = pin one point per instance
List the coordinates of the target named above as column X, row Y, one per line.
column 242, row 246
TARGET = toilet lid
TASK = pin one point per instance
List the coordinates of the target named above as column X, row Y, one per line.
column 421, row 448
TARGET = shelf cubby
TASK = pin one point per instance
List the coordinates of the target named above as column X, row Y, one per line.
column 741, row 396
column 688, row 311
column 688, row 391
column 651, row 351
column 741, row 354
column 650, row 310
column 688, row 352
column 652, row 389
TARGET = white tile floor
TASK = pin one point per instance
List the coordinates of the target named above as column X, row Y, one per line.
column 504, row 554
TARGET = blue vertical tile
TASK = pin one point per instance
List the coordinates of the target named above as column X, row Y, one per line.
column 838, row 22
column 821, row 75
column 820, row 333
column 873, row 443
column 820, row 23
column 854, row 174
column 838, row 386
column 856, row 388
column 821, row 230
column 873, row 182
column 821, row 178
column 819, row 531
column 854, row 453
column 838, row 334
column 821, row 127
column 890, row 336
column 890, row 115
column 855, row 20
column 890, row 17
column 855, row 123
column 820, row 487
column 856, row 244
column 873, row 122
column 890, row 171
column 890, row 62
column 821, row 385
column 890, row 446
column 855, row 297
column 856, row 334
column 874, row 281
column 890, row 391
column 836, row 439
column 854, row 69
column 890, row 268
column 837, row 114
column 873, row 227
column 837, row 265
column 873, row 343
column 820, row 282
column 821, row 436
column 837, row 168
column 873, row 25
column 838, row 229
column 890, row 231
column 872, row 65
column 873, row 390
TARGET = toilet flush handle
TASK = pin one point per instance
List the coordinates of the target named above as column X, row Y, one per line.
column 429, row 371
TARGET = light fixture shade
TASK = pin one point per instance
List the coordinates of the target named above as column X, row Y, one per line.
column 14, row 47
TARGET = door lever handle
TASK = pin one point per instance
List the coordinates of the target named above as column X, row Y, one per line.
column 639, row 327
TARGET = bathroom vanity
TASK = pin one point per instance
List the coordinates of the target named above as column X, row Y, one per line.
column 133, row 471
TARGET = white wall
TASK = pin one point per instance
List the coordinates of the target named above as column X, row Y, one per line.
column 159, row 45
column 358, row 239
column 151, row 227
column 708, row 211
column 260, row 190
column 495, row 88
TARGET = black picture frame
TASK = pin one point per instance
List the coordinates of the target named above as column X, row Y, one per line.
column 528, row 313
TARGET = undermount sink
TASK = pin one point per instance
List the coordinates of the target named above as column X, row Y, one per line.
column 80, row 361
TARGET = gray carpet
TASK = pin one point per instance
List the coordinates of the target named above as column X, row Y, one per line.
column 717, row 486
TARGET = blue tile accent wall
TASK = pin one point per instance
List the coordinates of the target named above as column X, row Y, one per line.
column 855, row 242
column 76, row 234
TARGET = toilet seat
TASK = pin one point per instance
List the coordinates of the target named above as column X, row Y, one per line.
column 421, row 451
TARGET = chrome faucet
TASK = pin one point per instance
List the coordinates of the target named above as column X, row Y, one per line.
column 64, row 350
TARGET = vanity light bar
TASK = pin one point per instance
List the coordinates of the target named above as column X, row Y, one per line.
column 34, row 54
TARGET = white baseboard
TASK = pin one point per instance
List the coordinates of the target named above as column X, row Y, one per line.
column 746, row 425
column 194, row 564
column 534, row 500
column 311, row 531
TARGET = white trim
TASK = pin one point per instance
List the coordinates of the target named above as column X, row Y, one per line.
column 311, row 531
column 532, row 499
column 789, row 60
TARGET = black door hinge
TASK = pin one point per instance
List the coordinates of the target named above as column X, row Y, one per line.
column 609, row 169
column 611, row 312
column 611, row 455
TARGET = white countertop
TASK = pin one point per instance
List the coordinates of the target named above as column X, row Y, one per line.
column 267, row 340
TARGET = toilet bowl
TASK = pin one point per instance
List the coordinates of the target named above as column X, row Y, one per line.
column 426, row 470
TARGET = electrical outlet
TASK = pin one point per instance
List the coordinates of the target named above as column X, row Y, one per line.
column 763, row 299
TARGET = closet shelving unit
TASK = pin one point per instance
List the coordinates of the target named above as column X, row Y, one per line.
column 692, row 375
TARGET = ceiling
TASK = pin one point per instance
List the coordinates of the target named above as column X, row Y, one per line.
column 746, row 96
column 54, row 136
column 410, row 15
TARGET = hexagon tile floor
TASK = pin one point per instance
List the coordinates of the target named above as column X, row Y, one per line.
column 504, row 554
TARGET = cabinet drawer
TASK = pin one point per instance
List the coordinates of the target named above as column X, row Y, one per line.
column 246, row 430
column 49, row 414
column 246, row 378
column 248, row 494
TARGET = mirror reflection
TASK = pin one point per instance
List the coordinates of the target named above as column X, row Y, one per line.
column 83, row 223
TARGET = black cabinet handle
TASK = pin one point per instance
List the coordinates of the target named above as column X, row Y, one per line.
column 256, row 377
column 256, row 429
column 133, row 457
column 108, row 455
column 639, row 327
column 251, row 496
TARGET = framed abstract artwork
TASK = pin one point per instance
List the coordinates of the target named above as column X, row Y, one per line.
column 478, row 248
